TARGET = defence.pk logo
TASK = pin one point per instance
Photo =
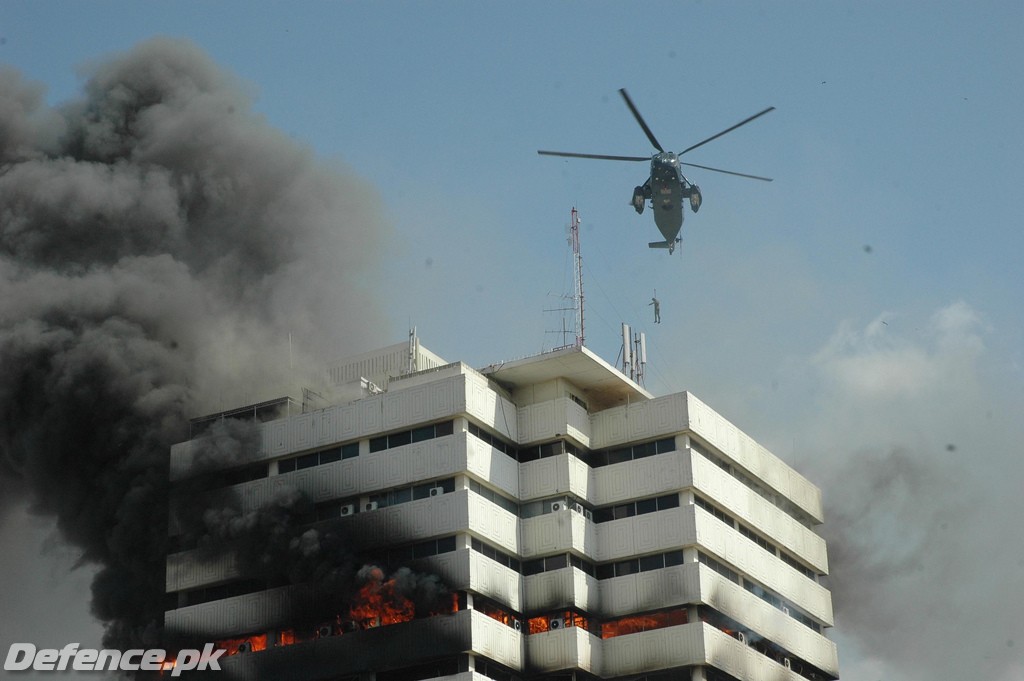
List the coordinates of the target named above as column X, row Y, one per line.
column 22, row 656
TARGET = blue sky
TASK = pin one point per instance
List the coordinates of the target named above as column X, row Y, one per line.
column 872, row 285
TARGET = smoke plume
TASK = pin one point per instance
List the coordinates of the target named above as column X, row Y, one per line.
column 917, row 458
column 160, row 245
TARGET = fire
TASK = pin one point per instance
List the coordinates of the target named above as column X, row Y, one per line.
column 245, row 644
column 569, row 618
column 637, row 623
column 378, row 604
column 502, row 617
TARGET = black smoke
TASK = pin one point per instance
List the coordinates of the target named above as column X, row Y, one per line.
column 282, row 542
column 160, row 248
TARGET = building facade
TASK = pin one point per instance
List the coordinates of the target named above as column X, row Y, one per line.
column 582, row 527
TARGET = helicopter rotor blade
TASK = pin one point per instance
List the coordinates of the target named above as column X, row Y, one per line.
column 727, row 130
column 728, row 172
column 640, row 119
column 602, row 157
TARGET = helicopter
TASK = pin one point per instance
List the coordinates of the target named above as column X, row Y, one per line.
column 667, row 187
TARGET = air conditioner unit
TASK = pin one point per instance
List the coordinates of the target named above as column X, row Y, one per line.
column 578, row 508
column 786, row 663
column 370, row 506
column 588, row 514
column 557, row 506
column 556, row 623
column 245, row 647
column 325, row 630
column 517, row 625
column 436, row 491
column 741, row 637
column 785, row 610
column 347, row 510
column 348, row 626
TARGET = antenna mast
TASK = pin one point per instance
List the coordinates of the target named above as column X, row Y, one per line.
column 574, row 230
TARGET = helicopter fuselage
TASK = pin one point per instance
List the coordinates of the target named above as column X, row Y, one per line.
column 667, row 194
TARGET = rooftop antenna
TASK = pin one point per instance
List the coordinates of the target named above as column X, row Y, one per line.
column 577, row 296
column 639, row 357
column 414, row 343
column 574, row 232
column 627, row 351
column 634, row 354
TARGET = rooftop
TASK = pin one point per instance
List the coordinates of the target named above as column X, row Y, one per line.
column 604, row 385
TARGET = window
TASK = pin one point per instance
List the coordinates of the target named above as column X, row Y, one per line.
column 644, row 450
column 508, row 561
column 399, row 439
column 421, row 434
column 668, row 501
column 620, row 455
column 718, row 567
column 533, row 567
column 646, row 506
column 714, row 510
column 673, row 558
column 624, row 511
column 330, row 455
column 579, row 563
column 556, row 562
column 757, row 539
column 627, row 567
column 494, row 497
column 492, row 440
column 638, row 451
column 603, row 515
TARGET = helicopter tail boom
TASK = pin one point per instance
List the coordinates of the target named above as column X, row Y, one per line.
column 669, row 245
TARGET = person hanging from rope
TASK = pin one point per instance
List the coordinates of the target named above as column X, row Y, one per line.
column 657, row 310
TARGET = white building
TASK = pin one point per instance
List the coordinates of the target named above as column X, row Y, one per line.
column 588, row 529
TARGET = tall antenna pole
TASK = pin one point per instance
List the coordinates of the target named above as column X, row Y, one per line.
column 574, row 229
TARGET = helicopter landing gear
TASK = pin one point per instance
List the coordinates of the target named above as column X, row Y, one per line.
column 638, row 200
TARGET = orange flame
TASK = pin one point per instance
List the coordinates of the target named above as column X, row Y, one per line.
column 538, row 625
column 233, row 646
column 637, row 623
column 378, row 604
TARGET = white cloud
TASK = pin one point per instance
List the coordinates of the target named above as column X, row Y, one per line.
column 881, row 362
column 913, row 437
